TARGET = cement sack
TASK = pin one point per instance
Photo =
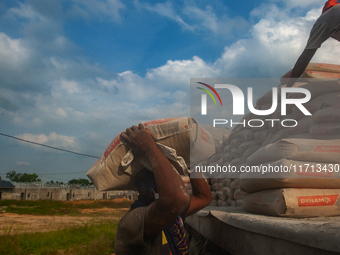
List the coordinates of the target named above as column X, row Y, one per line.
column 235, row 143
column 310, row 136
column 220, row 186
column 232, row 136
column 201, row 143
column 231, row 202
column 225, row 139
column 212, row 181
column 218, row 146
column 228, row 191
column 303, row 125
column 219, row 180
column 302, row 175
column 311, row 76
column 277, row 113
column 246, row 145
column 283, row 133
column 268, row 139
column 222, row 203
column 114, row 171
column 245, row 135
column 313, row 150
column 284, row 121
column 294, row 202
column 320, row 102
column 214, row 187
column 239, row 194
column 236, row 161
column 218, row 133
column 235, row 184
column 250, row 151
column 258, row 123
column 222, row 195
column 266, row 100
column 215, row 158
column 234, row 152
column 228, row 157
column 328, row 129
column 227, row 148
column 218, row 162
column 319, row 67
column 227, row 182
column 330, row 114
column 213, row 194
column 243, row 159
column 318, row 88
column 260, row 136
column 239, row 202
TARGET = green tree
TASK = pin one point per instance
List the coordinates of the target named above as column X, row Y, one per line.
column 19, row 177
column 80, row 181
column 11, row 175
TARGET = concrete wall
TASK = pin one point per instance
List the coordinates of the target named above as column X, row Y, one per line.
column 15, row 194
column 63, row 194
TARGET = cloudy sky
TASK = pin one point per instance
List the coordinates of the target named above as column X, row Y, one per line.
column 74, row 73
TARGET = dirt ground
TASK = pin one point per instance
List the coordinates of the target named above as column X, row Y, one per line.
column 11, row 223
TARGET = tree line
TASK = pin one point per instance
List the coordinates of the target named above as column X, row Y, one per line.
column 25, row 177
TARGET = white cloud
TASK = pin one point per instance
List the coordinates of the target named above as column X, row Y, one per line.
column 13, row 53
column 53, row 139
column 273, row 48
column 207, row 20
column 301, row 3
column 166, row 10
column 192, row 18
column 25, row 11
column 22, row 163
column 70, row 86
column 177, row 73
column 90, row 9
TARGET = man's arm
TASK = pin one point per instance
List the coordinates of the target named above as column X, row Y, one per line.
column 201, row 194
column 173, row 197
column 300, row 65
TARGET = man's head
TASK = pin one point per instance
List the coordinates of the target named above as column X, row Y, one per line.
column 145, row 180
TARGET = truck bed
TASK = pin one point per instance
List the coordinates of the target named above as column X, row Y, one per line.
column 239, row 232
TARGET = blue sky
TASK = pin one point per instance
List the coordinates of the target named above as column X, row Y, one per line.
column 75, row 73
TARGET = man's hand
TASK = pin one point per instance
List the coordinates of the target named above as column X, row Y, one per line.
column 139, row 140
column 300, row 65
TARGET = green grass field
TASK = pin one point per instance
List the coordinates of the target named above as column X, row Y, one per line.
column 46, row 207
column 89, row 238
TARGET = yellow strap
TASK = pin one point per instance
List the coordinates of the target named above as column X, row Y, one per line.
column 164, row 241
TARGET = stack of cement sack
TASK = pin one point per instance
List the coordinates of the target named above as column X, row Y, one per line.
column 312, row 145
column 219, row 192
column 226, row 192
column 182, row 141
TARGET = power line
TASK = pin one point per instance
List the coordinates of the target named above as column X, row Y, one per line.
column 50, row 147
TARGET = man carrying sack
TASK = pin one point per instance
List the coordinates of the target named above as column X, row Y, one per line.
column 154, row 224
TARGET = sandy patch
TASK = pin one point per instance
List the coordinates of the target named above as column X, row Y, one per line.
column 11, row 223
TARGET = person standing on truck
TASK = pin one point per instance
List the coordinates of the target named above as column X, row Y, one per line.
column 326, row 26
column 154, row 225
